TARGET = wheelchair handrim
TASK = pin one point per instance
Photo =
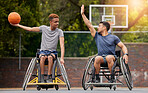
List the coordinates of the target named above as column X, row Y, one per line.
column 127, row 75
column 85, row 87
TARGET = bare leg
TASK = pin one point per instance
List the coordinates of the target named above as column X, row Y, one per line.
column 97, row 63
column 42, row 62
column 50, row 64
column 110, row 60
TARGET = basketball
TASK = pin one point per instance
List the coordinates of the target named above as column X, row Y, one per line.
column 14, row 18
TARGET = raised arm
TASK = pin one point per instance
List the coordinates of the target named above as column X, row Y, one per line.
column 87, row 22
column 35, row 29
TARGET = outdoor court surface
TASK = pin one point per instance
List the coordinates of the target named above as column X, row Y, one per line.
column 74, row 90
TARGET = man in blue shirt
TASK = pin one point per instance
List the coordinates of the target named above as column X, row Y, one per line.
column 106, row 44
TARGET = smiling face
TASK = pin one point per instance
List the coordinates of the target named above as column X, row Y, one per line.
column 54, row 23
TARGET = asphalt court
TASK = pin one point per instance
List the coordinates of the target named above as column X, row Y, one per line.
column 74, row 90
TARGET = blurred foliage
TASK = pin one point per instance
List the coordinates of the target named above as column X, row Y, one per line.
column 9, row 35
column 79, row 45
column 35, row 13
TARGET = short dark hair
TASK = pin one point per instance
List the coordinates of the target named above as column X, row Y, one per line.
column 106, row 24
column 51, row 16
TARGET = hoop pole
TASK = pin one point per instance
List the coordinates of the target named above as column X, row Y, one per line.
column 20, row 51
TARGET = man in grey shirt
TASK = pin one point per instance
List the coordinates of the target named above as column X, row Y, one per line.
column 50, row 37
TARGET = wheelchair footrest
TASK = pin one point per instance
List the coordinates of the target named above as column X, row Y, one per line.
column 46, row 84
column 58, row 75
column 34, row 75
column 103, row 84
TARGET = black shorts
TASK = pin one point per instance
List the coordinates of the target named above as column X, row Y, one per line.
column 105, row 62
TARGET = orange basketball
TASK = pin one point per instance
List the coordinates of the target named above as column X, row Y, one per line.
column 14, row 18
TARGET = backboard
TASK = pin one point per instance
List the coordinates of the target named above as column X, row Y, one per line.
column 115, row 14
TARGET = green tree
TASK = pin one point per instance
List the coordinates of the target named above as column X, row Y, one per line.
column 35, row 13
column 9, row 35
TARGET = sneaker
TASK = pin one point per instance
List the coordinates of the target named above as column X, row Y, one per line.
column 111, row 81
column 49, row 81
column 42, row 79
column 97, row 80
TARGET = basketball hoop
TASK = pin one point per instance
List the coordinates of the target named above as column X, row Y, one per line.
column 116, row 15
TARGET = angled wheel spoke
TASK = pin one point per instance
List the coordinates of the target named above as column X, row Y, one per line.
column 64, row 74
column 87, row 76
column 29, row 72
column 126, row 74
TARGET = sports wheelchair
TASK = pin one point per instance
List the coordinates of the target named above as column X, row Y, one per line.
column 58, row 70
column 120, row 68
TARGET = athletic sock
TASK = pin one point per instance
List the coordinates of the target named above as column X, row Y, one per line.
column 97, row 77
column 42, row 77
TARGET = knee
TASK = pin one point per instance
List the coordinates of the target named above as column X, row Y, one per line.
column 50, row 58
column 42, row 58
column 97, row 60
column 110, row 59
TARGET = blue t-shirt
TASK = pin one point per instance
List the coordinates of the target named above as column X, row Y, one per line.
column 106, row 45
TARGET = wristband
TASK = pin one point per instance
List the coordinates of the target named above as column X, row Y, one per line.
column 126, row 54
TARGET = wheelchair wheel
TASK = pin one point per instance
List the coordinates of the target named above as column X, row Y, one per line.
column 26, row 75
column 87, row 76
column 64, row 74
column 28, row 72
column 126, row 74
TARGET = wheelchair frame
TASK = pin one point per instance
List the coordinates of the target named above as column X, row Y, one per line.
column 57, row 68
column 122, row 70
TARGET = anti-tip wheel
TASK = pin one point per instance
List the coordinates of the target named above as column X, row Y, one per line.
column 38, row 88
column 56, row 87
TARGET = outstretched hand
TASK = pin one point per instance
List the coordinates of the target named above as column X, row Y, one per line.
column 82, row 9
column 14, row 24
